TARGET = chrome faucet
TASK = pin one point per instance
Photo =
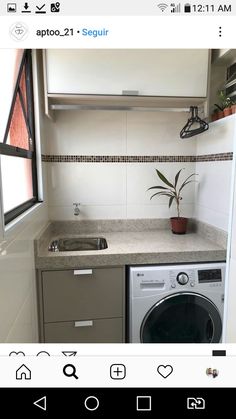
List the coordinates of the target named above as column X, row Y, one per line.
column 54, row 246
column 76, row 209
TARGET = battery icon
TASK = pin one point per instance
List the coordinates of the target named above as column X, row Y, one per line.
column 187, row 8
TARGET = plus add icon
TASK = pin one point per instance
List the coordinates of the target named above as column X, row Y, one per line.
column 117, row 371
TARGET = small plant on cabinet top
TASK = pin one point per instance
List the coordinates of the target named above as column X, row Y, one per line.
column 225, row 107
column 173, row 192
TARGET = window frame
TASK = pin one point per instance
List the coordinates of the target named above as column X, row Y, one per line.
column 10, row 150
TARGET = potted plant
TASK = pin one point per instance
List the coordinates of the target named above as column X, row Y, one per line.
column 224, row 108
column 214, row 115
column 220, row 113
column 233, row 107
column 173, row 192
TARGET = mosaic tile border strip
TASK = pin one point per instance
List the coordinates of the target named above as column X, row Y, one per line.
column 214, row 157
column 136, row 159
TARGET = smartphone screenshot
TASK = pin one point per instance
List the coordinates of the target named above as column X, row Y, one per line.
column 117, row 208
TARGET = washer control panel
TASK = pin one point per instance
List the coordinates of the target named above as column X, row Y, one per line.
column 204, row 275
column 182, row 278
column 158, row 279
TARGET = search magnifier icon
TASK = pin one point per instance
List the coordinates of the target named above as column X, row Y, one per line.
column 69, row 370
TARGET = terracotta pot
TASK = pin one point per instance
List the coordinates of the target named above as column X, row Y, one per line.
column 178, row 225
column 227, row 111
column 233, row 109
column 220, row 114
column 214, row 116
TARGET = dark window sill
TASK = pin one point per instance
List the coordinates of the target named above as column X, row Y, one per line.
column 13, row 214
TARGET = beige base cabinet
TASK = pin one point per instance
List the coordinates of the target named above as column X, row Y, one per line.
column 96, row 331
column 82, row 305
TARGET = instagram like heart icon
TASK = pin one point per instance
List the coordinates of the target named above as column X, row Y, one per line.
column 165, row 370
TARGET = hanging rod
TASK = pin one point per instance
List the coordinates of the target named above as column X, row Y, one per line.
column 82, row 102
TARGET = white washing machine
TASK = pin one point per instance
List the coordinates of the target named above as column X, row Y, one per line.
column 176, row 304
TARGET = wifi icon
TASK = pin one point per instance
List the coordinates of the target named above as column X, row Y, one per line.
column 162, row 6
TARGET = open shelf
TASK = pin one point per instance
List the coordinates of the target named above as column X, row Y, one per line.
column 121, row 102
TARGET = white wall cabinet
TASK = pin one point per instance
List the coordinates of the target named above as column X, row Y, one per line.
column 167, row 72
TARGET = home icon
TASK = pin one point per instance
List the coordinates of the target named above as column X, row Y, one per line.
column 23, row 373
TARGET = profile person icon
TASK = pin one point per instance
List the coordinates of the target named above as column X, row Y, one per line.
column 213, row 372
column 209, row 371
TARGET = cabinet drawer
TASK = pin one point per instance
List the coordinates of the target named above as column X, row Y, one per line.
column 82, row 294
column 101, row 331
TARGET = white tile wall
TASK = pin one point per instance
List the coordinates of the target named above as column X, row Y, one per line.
column 219, row 138
column 118, row 133
column 213, row 193
column 112, row 190
column 17, row 280
column 158, row 211
column 24, row 328
column 88, row 183
column 100, row 212
column 142, row 176
column 157, row 133
column 99, row 187
column 119, row 190
column 87, row 133
column 212, row 199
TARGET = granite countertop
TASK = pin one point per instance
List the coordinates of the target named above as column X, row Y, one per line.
column 130, row 248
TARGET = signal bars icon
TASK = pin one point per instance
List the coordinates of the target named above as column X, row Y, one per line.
column 162, row 6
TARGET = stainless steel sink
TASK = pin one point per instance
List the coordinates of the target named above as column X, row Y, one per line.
column 78, row 244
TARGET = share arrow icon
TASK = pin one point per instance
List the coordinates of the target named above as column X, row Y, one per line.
column 41, row 403
column 69, row 353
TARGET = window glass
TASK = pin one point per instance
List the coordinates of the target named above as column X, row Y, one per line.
column 9, row 73
column 18, row 133
column 17, row 145
column 16, row 181
column 23, row 89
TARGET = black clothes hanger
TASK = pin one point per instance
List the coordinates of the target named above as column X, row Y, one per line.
column 195, row 125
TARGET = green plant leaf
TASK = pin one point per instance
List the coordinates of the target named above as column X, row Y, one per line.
column 190, row 181
column 193, row 174
column 177, row 177
column 171, row 200
column 158, row 187
column 163, row 178
column 186, row 181
column 162, row 194
column 168, row 193
column 218, row 107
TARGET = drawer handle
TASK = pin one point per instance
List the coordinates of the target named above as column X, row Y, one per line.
column 85, row 323
column 83, row 272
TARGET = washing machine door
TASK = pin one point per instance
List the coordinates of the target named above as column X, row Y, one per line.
column 182, row 318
